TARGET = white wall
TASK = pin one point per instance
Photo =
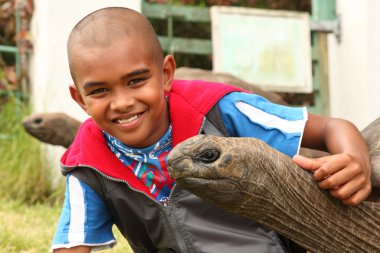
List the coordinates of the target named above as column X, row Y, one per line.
column 355, row 63
column 49, row 72
column 51, row 25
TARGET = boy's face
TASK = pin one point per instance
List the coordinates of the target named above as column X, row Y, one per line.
column 122, row 88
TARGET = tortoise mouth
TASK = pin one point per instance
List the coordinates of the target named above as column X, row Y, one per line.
column 201, row 184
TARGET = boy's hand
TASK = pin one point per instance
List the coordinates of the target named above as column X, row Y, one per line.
column 347, row 178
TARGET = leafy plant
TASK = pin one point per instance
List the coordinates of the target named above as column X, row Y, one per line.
column 15, row 18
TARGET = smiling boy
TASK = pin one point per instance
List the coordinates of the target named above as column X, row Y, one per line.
column 116, row 168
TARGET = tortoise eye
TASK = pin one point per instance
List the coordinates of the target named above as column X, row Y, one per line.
column 209, row 155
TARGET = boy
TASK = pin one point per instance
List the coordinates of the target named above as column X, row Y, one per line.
column 116, row 167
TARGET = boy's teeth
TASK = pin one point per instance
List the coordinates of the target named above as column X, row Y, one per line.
column 123, row 121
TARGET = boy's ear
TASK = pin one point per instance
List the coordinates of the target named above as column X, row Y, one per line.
column 168, row 69
column 77, row 97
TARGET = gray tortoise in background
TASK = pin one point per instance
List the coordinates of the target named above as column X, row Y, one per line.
column 186, row 73
column 53, row 128
column 247, row 177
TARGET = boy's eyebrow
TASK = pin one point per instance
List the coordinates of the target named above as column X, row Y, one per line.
column 129, row 75
column 137, row 72
column 92, row 84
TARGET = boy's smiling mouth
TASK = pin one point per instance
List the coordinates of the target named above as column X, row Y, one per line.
column 124, row 121
column 128, row 120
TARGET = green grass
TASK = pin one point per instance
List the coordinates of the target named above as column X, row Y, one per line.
column 24, row 172
column 26, row 228
column 30, row 228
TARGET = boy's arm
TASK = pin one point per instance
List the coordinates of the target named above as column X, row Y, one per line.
column 346, row 173
column 79, row 249
column 85, row 220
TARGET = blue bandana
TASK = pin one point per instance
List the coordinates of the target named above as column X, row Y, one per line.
column 147, row 164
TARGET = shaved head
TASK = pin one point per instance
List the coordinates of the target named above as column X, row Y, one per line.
column 101, row 28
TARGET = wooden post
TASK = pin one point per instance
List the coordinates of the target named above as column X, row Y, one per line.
column 322, row 10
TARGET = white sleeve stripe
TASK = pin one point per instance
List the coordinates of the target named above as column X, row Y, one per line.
column 95, row 246
column 306, row 117
column 271, row 121
column 77, row 211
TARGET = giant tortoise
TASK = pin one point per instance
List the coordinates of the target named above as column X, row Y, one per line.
column 247, row 177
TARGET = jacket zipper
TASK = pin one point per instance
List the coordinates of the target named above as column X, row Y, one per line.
column 202, row 125
column 172, row 220
column 174, row 224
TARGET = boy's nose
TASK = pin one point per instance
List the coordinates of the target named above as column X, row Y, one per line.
column 122, row 101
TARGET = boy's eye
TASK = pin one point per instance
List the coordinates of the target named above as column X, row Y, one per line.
column 97, row 91
column 136, row 81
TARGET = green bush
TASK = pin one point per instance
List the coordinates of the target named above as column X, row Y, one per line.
column 24, row 173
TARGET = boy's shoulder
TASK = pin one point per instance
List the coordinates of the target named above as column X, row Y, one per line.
column 189, row 102
column 200, row 93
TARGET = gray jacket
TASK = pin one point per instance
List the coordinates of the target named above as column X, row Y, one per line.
column 187, row 224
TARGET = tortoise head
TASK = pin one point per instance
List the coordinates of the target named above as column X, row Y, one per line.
column 206, row 163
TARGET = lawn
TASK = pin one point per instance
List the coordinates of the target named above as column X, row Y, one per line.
column 30, row 228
